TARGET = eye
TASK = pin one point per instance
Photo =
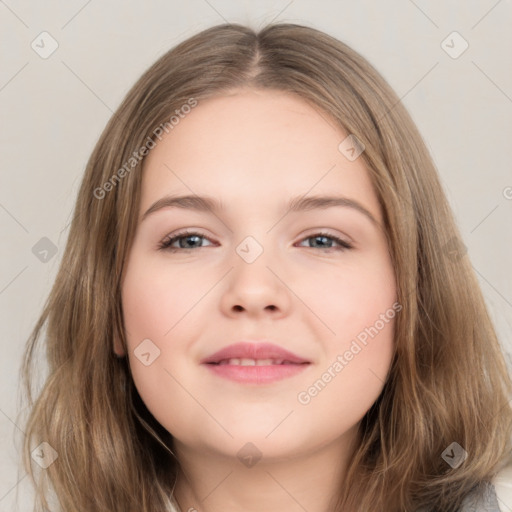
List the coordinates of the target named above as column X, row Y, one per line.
column 191, row 239
column 323, row 239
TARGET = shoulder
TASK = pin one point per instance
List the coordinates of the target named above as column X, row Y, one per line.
column 482, row 498
column 503, row 488
column 494, row 496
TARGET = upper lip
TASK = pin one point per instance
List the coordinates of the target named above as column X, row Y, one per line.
column 246, row 350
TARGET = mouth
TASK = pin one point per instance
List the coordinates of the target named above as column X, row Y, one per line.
column 254, row 362
column 260, row 363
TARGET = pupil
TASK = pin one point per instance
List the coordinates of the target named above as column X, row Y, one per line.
column 320, row 238
column 190, row 237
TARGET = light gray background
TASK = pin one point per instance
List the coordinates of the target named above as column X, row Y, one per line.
column 54, row 109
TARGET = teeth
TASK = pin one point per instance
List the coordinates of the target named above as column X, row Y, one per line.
column 252, row 362
column 264, row 362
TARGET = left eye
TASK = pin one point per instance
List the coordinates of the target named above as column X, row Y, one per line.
column 322, row 237
column 193, row 238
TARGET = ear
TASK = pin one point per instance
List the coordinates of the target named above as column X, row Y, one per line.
column 119, row 350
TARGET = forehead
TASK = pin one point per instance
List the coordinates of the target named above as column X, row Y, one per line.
column 253, row 146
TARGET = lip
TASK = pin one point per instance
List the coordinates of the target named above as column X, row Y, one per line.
column 292, row 363
column 246, row 350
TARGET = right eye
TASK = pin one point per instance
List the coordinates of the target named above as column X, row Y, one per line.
column 188, row 236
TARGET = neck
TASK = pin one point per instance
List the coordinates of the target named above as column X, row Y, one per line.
column 210, row 482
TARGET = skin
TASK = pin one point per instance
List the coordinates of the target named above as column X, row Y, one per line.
column 254, row 150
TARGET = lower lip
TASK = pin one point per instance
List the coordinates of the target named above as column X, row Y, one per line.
column 256, row 374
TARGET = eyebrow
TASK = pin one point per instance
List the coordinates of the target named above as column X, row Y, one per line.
column 296, row 204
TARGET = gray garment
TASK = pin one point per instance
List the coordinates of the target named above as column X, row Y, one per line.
column 481, row 499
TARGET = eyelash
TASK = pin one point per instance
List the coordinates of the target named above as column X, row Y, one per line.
column 167, row 242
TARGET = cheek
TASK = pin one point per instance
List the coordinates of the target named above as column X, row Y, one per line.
column 358, row 306
column 348, row 298
column 351, row 377
column 155, row 299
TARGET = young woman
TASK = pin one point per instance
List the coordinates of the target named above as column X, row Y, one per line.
column 263, row 303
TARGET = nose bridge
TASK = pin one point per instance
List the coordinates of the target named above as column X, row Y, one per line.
column 250, row 249
column 253, row 285
column 253, row 257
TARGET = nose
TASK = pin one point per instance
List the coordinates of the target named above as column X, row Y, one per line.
column 256, row 289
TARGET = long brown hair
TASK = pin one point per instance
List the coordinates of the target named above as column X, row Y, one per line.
column 448, row 381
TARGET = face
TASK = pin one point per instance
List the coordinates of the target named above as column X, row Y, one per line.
column 316, row 282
